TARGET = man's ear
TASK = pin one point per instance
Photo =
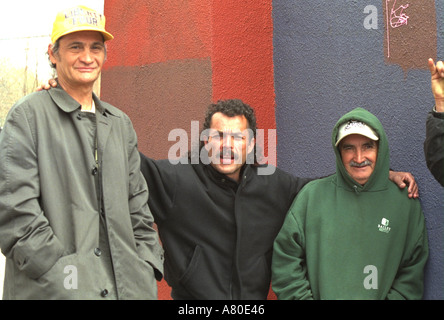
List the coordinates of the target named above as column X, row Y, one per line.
column 52, row 57
column 205, row 140
column 250, row 142
column 251, row 145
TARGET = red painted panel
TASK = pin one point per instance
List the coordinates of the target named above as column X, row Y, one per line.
column 243, row 55
column 154, row 31
column 160, row 35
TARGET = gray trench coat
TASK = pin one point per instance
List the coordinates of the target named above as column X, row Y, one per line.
column 51, row 196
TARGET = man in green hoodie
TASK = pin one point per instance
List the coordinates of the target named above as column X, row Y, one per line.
column 354, row 234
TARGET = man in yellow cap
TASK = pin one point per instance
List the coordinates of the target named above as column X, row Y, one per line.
column 74, row 220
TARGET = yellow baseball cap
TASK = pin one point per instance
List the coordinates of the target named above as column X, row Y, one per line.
column 76, row 19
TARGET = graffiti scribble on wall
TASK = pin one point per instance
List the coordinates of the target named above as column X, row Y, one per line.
column 397, row 19
column 410, row 32
column 397, row 16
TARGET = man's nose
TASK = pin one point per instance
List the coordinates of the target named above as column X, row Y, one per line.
column 86, row 56
column 359, row 156
column 227, row 140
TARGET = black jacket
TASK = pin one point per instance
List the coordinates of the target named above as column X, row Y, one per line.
column 217, row 234
column 434, row 145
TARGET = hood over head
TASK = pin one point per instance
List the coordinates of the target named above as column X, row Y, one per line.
column 374, row 130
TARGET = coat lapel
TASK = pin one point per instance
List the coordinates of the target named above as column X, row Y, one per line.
column 104, row 125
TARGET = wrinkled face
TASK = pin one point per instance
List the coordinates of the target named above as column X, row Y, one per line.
column 228, row 144
column 359, row 155
column 80, row 58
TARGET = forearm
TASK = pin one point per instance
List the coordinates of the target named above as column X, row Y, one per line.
column 146, row 237
column 439, row 104
column 25, row 234
column 409, row 281
column 289, row 271
column 434, row 145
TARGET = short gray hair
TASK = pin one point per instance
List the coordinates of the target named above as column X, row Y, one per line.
column 55, row 49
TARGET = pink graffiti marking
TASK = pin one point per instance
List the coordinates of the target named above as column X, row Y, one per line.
column 396, row 18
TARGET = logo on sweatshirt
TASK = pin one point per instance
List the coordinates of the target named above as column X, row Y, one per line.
column 383, row 226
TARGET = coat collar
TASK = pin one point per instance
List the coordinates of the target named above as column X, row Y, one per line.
column 221, row 179
column 67, row 103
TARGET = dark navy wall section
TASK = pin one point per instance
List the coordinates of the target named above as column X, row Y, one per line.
column 326, row 63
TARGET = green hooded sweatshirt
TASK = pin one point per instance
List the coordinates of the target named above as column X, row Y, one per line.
column 342, row 240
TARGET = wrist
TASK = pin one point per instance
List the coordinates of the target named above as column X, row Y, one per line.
column 439, row 104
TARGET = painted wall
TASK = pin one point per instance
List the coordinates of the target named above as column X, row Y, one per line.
column 300, row 64
column 170, row 59
column 330, row 57
column 159, row 66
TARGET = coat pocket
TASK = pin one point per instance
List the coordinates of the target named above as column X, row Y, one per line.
column 63, row 267
column 59, row 282
column 194, row 279
column 192, row 266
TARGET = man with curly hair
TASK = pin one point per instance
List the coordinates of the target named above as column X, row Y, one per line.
column 218, row 217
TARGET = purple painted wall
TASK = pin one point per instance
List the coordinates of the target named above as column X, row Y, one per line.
column 330, row 57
